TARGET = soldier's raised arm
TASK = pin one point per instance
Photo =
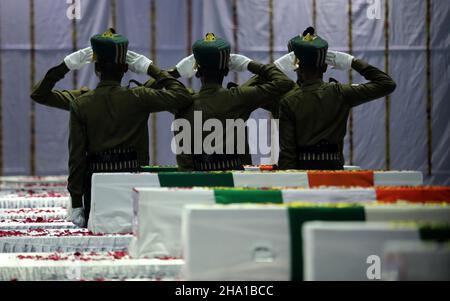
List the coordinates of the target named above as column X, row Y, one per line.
column 172, row 97
column 380, row 84
column 272, row 82
column 43, row 91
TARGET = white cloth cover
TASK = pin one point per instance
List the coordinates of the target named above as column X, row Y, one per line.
column 90, row 266
column 347, row 195
column 61, row 180
column 398, row 178
column 219, row 241
column 409, row 212
column 236, row 243
column 58, row 240
column 158, row 213
column 265, row 179
column 341, row 250
column 34, row 202
column 416, row 261
column 111, row 205
column 22, row 213
column 111, row 201
column 157, row 219
column 18, row 225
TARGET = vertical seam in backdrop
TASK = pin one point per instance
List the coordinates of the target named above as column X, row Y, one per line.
column 429, row 105
column 189, row 35
column 154, row 116
column 113, row 14
column 32, row 78
column 314, row 14
column 1, row 105
column 234, row 13
column 388, row 97
column 271, row 34
column 350, row 78
column 74, row 48
column 271, row 59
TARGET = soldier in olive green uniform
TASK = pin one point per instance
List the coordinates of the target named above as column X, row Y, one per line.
column 108, row 125
column 213, row 61
column 313, row 119
column 43, row 92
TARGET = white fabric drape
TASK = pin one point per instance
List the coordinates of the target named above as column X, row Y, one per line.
column 407, row 65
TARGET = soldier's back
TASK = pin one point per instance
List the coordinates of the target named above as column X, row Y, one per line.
column 113, row 118
column 320, row 112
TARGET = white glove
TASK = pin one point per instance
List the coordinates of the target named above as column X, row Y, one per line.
column 77, row 217
column 138, row 63
column 78, row 59
column 238, row 62
column 339, row 60
column 186, row 67
column 286, row 63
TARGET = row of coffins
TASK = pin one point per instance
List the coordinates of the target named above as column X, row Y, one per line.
column 257, row 242
column 100, row 266
column 259, row 228
column 111, row 209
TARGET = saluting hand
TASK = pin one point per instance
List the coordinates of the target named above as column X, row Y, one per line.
column 238, row 62
column 78, row 59
column 138, row 63
column 339, row 60
column 286, row 63
column 186, row 67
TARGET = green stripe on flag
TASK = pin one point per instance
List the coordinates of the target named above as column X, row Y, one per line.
column 300, row 215
column 230, row 196
column 191, row 179
column 435, row 232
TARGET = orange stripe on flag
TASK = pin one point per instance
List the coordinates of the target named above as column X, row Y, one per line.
column 340, row 178
column 414, row 194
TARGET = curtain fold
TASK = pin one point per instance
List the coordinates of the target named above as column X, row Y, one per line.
column 246, row 24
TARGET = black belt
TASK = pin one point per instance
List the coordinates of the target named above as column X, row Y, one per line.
column 321, row 151
column 114, row 160
column 319, row 157
column 217, row 162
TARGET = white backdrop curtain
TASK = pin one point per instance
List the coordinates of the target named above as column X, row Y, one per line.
column 260, row 35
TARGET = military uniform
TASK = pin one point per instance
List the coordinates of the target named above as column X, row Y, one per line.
column 108, row 125
column 313, row 119
column 214, row 101
column 44, row 93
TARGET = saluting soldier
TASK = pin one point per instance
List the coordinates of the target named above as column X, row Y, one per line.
column 211, row 61
column 43, row 91
column 108, row 125
column 313, row 118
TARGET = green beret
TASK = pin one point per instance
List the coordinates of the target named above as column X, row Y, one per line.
column 110, row 47
column 310, row 49
column 211, row 52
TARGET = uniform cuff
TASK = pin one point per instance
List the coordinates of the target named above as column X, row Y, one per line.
column 254, row 67
column 359, row 65
column 154, row 71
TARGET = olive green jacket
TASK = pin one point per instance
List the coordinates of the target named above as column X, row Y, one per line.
column 319, row 111
column 44, row 94
column 109, row 116
column 216, row 102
